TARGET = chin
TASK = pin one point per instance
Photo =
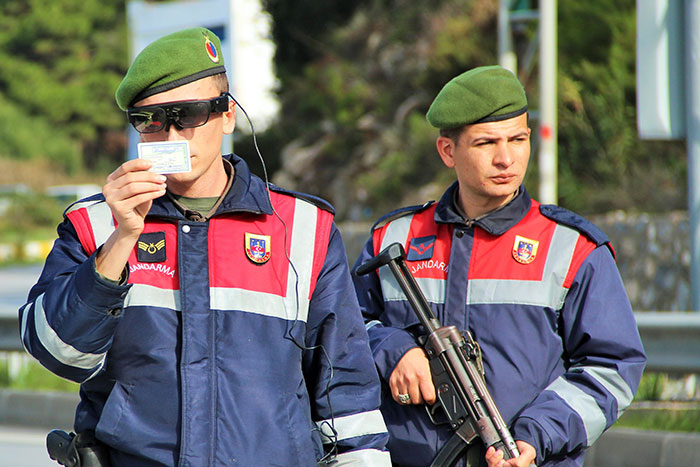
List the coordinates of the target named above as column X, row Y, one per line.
column 505, row 190
column 180, row 178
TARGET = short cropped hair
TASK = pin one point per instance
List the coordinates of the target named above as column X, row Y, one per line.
column 453, row 133
column 221, row 82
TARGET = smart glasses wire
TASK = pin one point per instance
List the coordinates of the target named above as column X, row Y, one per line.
column 333, row 437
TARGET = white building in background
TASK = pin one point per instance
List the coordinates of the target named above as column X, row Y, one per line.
column 246, row 42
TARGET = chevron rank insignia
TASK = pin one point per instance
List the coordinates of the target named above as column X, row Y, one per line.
column 524, row 250
column 151, row 248
column 421, row 248
column 257, row 247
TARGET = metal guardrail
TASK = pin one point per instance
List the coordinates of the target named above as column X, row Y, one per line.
column 671, row 339
column 9, row 334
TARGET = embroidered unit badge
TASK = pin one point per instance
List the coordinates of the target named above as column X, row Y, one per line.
column 524, row 249
column 211, row 50
column 257, row 247
column 151, row 248
column 421, row 248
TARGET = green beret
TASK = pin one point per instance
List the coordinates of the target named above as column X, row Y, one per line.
column 483, row 94
column 169, row 62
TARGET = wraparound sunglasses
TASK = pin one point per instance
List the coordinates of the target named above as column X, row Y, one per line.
column 182, row 114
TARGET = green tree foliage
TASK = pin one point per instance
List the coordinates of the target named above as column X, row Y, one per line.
column 356, row 79
column 60, row 62
column 355, row 114
column 603, row 164
column 354, row 110
column 299, row 28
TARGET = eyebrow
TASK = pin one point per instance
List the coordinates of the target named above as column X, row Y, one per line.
column 488, row 137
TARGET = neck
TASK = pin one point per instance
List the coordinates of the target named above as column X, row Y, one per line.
column 210, row 184
column 475, row 208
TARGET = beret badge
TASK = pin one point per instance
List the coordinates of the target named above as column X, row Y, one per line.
column 211, row 49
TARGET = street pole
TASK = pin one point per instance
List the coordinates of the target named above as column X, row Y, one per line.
column 692, row 121
column 506, row 55
column 548, row 102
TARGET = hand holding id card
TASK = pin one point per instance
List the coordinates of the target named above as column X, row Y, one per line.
column 167, row 156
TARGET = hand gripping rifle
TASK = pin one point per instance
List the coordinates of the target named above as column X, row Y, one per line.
column 455, row 364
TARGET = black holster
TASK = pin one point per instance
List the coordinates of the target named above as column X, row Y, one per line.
column 81, row 450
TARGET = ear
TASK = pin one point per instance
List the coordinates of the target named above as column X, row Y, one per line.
column 446, row 149
column 230, row 118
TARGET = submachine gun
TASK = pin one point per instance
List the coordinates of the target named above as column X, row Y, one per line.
column 455, row 364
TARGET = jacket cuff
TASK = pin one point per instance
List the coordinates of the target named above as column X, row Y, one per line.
column 528, row 430
column 393, row 345
column 101, row 295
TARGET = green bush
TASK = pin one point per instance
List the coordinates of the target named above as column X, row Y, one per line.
column 30, row 214
column 32, row 377
column 27, row 137
column 650, row 387
column 684, row 417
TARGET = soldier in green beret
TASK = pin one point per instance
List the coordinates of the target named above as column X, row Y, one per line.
column 208, row 315
column 535, row 285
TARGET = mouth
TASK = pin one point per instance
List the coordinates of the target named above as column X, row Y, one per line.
column 503, row 178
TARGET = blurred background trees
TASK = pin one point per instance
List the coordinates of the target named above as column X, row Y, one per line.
column 60, row 62
column 355, row 81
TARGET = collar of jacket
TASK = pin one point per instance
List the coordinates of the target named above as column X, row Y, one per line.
column 247, row 194
column 496, row 222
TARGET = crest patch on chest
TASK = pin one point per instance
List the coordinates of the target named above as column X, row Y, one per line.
column 524, row 249
column 257, row 247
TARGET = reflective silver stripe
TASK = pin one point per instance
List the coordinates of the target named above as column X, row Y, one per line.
column 613, row 382
column 148, row 295
column 433, row 289
column 64, row 353
column 303, row 246
column 370, row 324
column 23, row 326
column 81, row 204
column 260, row 303
column 101, row 220
column 302, row 257
column 397, row 231
column 549, row 292
column 583, row 404
column 363, row 457
column 351, row 426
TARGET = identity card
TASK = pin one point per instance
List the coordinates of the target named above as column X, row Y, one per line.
column 167, row 156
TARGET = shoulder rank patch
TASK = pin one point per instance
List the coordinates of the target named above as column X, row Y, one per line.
column 257, row 247
column 151, row 247
column 421, row 248
column 524, row 249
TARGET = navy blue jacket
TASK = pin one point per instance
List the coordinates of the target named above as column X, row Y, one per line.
column 538, row 289
column 233, row 341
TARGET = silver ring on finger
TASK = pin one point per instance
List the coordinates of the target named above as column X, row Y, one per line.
column 404, row 398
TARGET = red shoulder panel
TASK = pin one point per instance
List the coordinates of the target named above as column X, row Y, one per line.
column 324, row 221
column 424, row 226
column 584, row 247
column 229, row 265
column 493, row 256
column 81, row 222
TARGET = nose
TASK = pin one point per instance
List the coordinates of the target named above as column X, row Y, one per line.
column 504, row 155
column 172, row 130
